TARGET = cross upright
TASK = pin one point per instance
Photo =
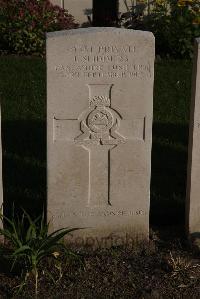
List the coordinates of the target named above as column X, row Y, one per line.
column 98, row 126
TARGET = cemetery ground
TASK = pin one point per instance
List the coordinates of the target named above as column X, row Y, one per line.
column 167, row 267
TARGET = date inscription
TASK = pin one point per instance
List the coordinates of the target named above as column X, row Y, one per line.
column 102, row 61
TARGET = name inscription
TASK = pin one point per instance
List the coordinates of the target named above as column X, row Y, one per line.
column 103, row 62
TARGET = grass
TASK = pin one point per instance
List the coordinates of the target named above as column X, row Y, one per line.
column 23, row 100
column 170, row 140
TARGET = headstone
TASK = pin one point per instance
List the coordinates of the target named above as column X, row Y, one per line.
column 100, row 106
column 193, row 180
column 1, row 183
column 79, row 9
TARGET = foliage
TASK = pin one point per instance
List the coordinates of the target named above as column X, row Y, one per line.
column 133, row 17
column 175, row 24
column 175, row 32
column 30, row 243
column 23, row 24
column 178, row 264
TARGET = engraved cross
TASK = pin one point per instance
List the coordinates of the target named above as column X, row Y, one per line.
column 98, row 126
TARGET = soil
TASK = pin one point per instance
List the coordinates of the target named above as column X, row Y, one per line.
column 165, row 268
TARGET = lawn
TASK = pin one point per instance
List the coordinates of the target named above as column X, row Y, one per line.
column 170, row 140
column 23, row 100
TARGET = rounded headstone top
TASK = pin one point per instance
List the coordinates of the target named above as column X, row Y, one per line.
column 95, row 30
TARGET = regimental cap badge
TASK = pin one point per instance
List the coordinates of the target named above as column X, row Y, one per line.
column 100, row 100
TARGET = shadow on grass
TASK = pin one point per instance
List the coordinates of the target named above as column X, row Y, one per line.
column 24, row 166
column 169, row 174
column 24, row 169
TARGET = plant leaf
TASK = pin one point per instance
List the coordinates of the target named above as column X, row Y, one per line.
column 56, row 236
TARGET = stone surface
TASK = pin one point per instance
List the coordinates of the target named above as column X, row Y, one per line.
column 99, row 111
column 80, row 9
column 1, row 183
column 193, row 181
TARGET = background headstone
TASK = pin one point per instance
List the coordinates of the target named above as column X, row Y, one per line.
column 1, row 183
column 193, row 180
column 99, row 111
column 80, row 9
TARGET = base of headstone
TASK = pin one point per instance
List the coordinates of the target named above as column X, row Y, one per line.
column 109, row 234
column 113, row 240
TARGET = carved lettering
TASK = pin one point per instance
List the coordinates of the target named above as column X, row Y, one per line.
column 103, row 49
column 104, row 70
column 113, row 213
column 103, row 61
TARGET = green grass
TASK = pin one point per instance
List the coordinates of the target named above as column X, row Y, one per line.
column 23, row 101
column 170, row 140
column 23, row 97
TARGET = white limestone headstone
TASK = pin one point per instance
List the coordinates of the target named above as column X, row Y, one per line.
column 1, row 182
column 79, row 9
column 193, row 179
column 99, row 114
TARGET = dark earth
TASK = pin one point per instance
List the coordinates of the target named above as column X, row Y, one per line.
column 166, row 267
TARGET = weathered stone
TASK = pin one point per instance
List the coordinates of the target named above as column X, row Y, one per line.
column 80, row 9
column 99, row 113
column 193, row 180
column 1, row 183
